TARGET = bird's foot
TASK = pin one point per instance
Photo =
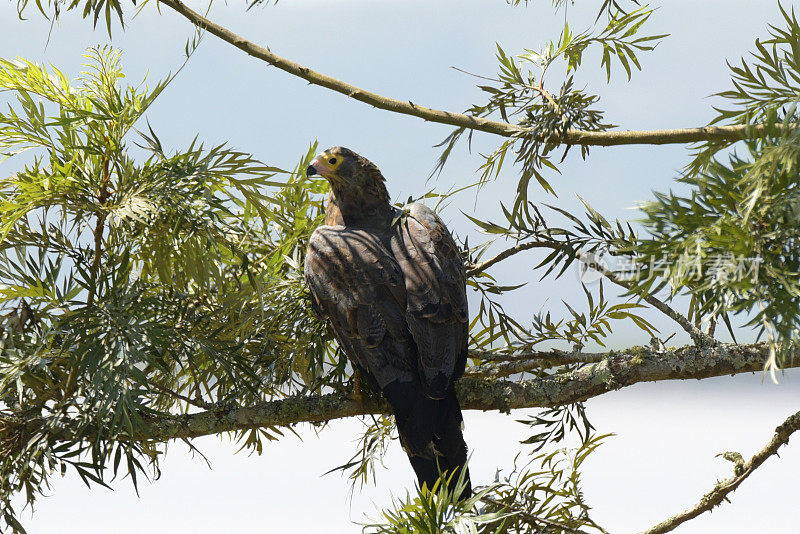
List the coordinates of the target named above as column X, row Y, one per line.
column 356, row 392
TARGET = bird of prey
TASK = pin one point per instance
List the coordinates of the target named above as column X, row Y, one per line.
column 392, row 285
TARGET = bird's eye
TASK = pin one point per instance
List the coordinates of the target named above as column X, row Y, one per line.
column 332, row 161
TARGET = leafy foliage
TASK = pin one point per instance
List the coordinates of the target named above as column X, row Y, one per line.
column 542, row 494
column 771, row 82
column 107, row 9
column 437, row 510
column 556, row 423
column 371, row 448
column 608, row 7
column 519, row 93
column 136, row 282
column 763, row 89
column 732, row 242
column 129, row 288
column 567, row 245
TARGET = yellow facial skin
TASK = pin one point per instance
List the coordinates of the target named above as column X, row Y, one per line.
column 326, row 164
column 332, row 161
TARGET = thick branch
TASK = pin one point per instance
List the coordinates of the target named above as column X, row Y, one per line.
column 727, row 486
column 617, row 370
column 573, row 137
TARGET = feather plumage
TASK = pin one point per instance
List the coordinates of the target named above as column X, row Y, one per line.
column 392, row 286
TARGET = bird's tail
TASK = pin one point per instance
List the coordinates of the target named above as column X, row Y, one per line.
column 431, row 433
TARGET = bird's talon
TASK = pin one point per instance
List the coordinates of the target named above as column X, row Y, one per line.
column 356, row 394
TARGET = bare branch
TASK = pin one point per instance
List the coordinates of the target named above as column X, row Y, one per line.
column 198, row 403
column 573, row 137
column 727, row 486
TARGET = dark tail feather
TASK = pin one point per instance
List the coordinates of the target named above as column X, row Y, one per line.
column 430, row 432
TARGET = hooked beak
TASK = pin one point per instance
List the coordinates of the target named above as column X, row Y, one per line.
column 318, row 166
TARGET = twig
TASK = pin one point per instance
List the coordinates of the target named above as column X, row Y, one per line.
column 98, row 255
column 99, row 228
column 699, row 337
column 102, row 198
column 196, row 381
column 199, row 403
column 572, row 137
column 480, row 267
column 727, row 486
column 712, row 325
column 534, row 520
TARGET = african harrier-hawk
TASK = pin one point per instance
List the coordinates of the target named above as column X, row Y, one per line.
column 392, row 285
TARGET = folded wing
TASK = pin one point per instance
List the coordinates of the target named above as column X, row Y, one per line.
column 359, row 286
column 397, row 300
column 435, row 284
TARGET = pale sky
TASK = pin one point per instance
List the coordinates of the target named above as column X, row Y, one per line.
column 662, row 458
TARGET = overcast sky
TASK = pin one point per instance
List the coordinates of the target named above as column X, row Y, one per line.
column 662, row 458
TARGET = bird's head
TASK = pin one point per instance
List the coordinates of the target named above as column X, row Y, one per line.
column 337, row 165
column 349, row 173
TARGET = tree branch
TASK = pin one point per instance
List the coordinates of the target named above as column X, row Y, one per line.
column 507, row 253
column 727, row 486
column 506, row 369
column 572, row 137
column 511, row 364
column 617, row 370
column 550, row 357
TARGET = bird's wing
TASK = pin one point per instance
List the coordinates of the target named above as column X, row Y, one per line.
column 435, row 284
column 358, row 286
